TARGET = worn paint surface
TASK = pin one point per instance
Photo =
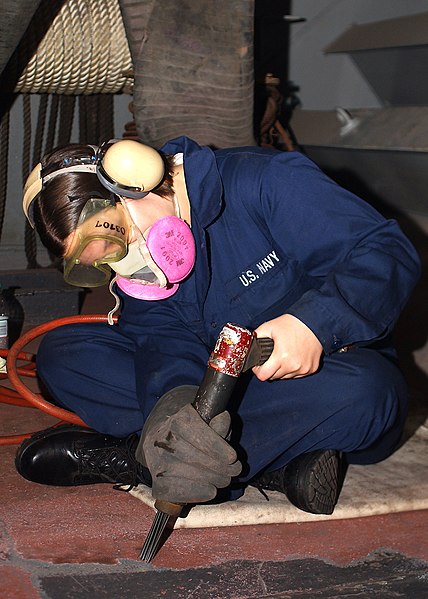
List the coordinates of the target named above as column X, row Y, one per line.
column 381, row 575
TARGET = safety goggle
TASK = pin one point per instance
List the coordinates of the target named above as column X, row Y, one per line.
column 101, row 237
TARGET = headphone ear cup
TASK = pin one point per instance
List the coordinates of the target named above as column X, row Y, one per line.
column 130, row 168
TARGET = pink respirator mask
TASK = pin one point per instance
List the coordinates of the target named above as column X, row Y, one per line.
column 158, row 260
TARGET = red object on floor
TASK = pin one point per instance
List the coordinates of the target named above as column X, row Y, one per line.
column 96, row 524
column 95, row 530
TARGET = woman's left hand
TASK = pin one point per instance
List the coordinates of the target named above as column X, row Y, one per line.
column 297, row 350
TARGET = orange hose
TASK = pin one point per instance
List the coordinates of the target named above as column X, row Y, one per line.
column 23, row 396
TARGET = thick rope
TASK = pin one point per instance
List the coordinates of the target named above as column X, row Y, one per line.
column 40, row 129
column 96, row 121
column 4, row 151
column 92, row 113
column 84, row 51
column 52, row 125
column 83, row 132
column 26, row 143
column 106, row 117
column 67, row 107
column 30, row 244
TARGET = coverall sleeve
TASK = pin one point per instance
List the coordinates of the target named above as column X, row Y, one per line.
column 364, row 266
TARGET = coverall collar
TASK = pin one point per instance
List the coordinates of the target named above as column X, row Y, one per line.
column 205, row 191
column 203, row 182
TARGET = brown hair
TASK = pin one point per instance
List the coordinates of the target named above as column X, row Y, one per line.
column 57, row 208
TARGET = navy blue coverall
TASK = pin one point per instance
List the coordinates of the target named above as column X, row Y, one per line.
column 273, row 235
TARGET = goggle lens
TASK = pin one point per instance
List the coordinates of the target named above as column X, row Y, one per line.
column 100, row 238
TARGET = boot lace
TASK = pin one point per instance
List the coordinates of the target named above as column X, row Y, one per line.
column 117, row 465
column 270, row 481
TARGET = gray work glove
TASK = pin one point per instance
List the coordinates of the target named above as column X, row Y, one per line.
column 187, row 458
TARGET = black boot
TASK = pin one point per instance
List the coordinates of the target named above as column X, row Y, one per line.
column 69, row 455
column 312, row 481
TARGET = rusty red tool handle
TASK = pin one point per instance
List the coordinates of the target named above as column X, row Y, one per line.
column 236, row 350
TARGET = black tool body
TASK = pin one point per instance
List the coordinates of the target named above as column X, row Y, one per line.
column 236, row 350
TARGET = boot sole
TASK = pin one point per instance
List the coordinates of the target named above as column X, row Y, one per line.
column 316, row 484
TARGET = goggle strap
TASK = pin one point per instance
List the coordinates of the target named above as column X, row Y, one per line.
column 75, row 168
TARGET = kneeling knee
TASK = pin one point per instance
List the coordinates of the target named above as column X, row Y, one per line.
column 54, row 353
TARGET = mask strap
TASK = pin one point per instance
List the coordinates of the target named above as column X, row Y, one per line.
column 142, row 248
column 176, row 206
